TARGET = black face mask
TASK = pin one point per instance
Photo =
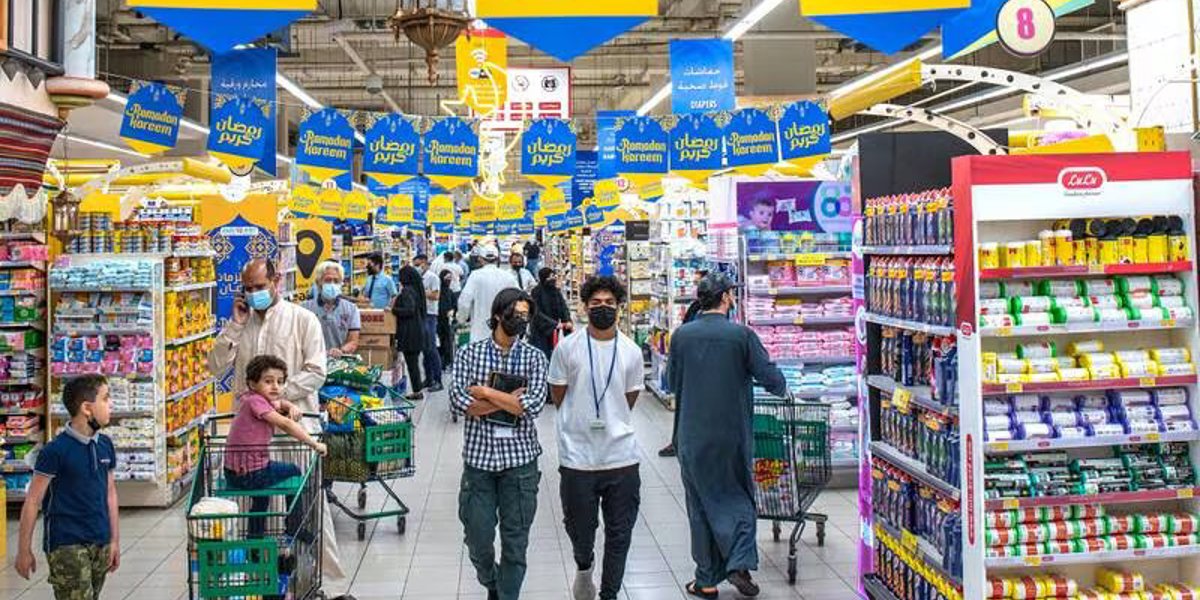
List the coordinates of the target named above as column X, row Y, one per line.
column 372, row 270
column 514, row 325
column 94, row 424
column 602, row 317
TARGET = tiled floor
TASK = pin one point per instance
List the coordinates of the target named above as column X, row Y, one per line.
column 430, row 563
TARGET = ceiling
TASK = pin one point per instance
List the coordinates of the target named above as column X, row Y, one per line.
column 331, row 52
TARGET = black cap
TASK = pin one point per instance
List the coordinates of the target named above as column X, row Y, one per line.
column 714, row 284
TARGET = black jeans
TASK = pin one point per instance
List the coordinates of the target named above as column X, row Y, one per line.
column 616, row 492
column 413, row 360
column 446, row 341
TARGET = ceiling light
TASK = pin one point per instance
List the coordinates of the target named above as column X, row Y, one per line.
column 102, row 145
column 658, row 96
column 297, row 91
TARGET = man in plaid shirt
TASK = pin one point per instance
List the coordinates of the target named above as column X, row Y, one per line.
column 500, row 448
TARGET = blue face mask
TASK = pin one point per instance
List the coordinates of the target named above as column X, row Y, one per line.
column 260, row 300
column 330, row 291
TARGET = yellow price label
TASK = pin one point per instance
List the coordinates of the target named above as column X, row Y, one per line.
column 798, row 321
column 1146, row 381
column 1033, row 561
column 908, row 540
column 1169, row 323
column 773, row 292
column 810, row 260
column 1014, row 388
column 1010, row 503
column 998, row 446
column 1095, row 269
column 1152, row 437
column 1185, row 494
column 901, row 398
column 1004, row 331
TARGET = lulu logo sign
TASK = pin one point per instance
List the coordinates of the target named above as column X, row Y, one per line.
column 1082, row 181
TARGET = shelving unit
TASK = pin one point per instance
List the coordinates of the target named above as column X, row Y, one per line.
column 674, row 289
column 23, row 398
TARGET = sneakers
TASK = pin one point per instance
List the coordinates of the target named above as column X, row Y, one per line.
column 667, row 451
column 437, row 387
column 744, row 584
column 584, row 588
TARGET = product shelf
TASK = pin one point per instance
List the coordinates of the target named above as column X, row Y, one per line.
column 847, row 320
column 1068, row 328
column 19, row 292
column 913, row 467
column 920, row 547
column 1092, row 558
column 929, row 328
column 191, row 338
column 22, row 264
column 1105, row 499
column 921, row 395
column 191, row 390
column 1101, row 441
column 810, row 290
column 931, row 250
column 815, row 360
column 803, row 256
column 1090, row 385
column 876, row 589
column 1082, row 270
column 191, row 287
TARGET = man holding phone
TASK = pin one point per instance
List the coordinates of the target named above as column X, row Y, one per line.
column 500, row 385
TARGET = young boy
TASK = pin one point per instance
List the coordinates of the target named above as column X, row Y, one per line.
column 248, row 463
column 81, row 539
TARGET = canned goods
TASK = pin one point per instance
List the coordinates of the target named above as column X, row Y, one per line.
column 1033, row 254
column 1087, row 511
column 1085, row 347
column 990, row 290
column 1170, row 356
column 1172, row 301
column 1170, row 396
column 1071, row 302
column 996, row 422
column 1105, row 301
column 998, row 588
column 1147, row 524
column 1074, row 314
column 1090, row 545
column 1000, row 519
column 1019, row 288
column 1138, row 284
column 1092, row 416
column 1091, row 527
column 992, row 321
column 1037, row 350
column 1041, row 365
column 1184, row 523
column 1175, row 412
column 989, row 255
column 1026, row 402
column 999, row 537
column 1025, row 588
column 1141, row 368
column 1112, row 315
column 1127, row 398
column 1122, row 541
column 1168, row 286
column 994, row 306
column 1152, row 540
column 1119, row 582
column 1176, row 370
column 1132, row 355
column 1032, row 304
column 1097, row 359
column 1011, row 365
column 1141, row 300
column 1037, row 318
column 1060, row 287
column 1099, row 287
column 1035, row 431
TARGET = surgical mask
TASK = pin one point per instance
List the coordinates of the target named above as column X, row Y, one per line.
column 260, row 300
column 514, row 325
column 602, row 317
column 330, row 291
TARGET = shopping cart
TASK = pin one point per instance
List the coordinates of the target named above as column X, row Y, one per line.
column 369, row 445
column 791, row 466
column 263, row 541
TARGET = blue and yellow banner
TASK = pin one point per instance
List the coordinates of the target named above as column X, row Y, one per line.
column 702, row 76
column 696, row 146
column 752, row 141
column 151, row 121
column 239, row 127
column 330, row 204
column 249, row 73
column 441, row 209
column 391, row 153
column 303, row 200
column 975, row 28
column 804, row 131
column 526, row 226
column 554, row 202
column 557, row 223
column 576, row 218
column 506, row 227
column 587, row 172
column 400, row 210
column 510, row 207
column 451, row 152
column 548, row 152
column 356, row 206
column 325, row 146
column 483, row 209
column 608, row 194
column 641, row 150
column 593, row 215
column 219, row 25
column 565, row 29
column 885, row 25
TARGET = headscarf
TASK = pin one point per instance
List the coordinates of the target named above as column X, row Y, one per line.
column 410, row 277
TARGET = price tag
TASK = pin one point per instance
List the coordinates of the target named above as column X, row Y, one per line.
column 1025, row 27
column 908, row 540
column 1095, row 269
column 1185, row 494
column 998, row 446
column 1146, row 381
column 798, row 321
column 1004, row 331
column 1033, row 561
column 901, row 398
column 1152, row 437
column 810, row 260
column 1010, row 503
column 772, row 292
column 1014, row 388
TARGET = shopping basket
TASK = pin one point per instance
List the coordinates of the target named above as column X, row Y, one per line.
column 369, row 445
column 791, row 466
column 248, row 541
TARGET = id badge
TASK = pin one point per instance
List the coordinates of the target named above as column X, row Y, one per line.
column 504, row 433
column 598, row 424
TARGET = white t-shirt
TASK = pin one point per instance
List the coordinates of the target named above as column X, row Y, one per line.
column 581, row 444
column 432, row 283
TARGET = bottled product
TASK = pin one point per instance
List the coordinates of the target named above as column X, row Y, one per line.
column 922, row 219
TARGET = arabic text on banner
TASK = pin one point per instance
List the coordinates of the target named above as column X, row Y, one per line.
column 548, row 152
column 391, row 151
column 239, row 131
column 251, row 73
column 696, row 146
column 702, row 76
column 804, row 131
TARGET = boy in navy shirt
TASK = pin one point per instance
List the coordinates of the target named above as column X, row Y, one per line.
column 74, row 487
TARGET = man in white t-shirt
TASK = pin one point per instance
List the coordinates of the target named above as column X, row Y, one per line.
column 433, row 292
column 595, row 377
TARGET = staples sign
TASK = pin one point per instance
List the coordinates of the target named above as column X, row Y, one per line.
column 1082, row 181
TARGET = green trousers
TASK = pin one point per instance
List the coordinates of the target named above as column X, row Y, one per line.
column 506, row 498
column 77, row 572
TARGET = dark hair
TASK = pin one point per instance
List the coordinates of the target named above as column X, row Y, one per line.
column 765, row 202
column 597, row 283
column 447, row 255
column 272, row 270
column 82, row 389
column 259, row 365
column 375, row 258
column 420, row 256
column 544, row 273
column 504, row 302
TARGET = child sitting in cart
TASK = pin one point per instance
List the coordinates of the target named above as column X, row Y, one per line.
column 248, row 464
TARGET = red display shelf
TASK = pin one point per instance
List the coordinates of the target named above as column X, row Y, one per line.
column 1096, row 385
column 1076, row 270
column 1111, row 498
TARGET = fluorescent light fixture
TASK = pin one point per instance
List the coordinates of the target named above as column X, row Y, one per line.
column 874, row 76
column 102, row 145
column 297, row 91
column 751, row 19
column 756, row 14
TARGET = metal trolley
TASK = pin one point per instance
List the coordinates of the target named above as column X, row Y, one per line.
column 791, row 466
column 271, row 546
column 369, row 445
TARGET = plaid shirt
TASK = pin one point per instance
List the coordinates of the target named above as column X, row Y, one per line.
column 482, row 446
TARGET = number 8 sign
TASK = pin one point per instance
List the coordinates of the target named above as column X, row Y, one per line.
column 1025, row 27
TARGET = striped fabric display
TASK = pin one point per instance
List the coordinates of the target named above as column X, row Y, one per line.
column 26, row 138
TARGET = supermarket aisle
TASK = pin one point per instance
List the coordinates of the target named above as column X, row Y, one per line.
column 429, row 562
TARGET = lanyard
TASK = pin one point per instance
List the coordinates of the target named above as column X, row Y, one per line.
column 597, row 398
column 371, row 287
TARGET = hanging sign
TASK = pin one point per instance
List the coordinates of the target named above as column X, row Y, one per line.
column 606, row 140
column 977, row 27
column 329, row 203
column 325, row 146
column 575, row 218
column 804, row 131
column 526, row 226
column 441, row 209
column 554, row 202
column 565, row 29
column 548, row 152
column 1025, row 27
column 510, row 207
column 303, row 200
column 249, row 73
column 238, row 132
column 356, row 206
column 391, row 149
column 587, row 170
column 451, row 152
column 400, row 210
column 751, row 141
column 888, row 26
column 702, row 76
column 506, row 227
column 533, row 93
column 607, row 195
column 557, row 223
column 151, row 120
column 696, row 143
column 219, row 25
column 447, row 228
column 482, row 209
column 481, row 57
column 641, row 150
column 593, row 215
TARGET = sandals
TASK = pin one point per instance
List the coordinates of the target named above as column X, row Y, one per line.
column 692, row 590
